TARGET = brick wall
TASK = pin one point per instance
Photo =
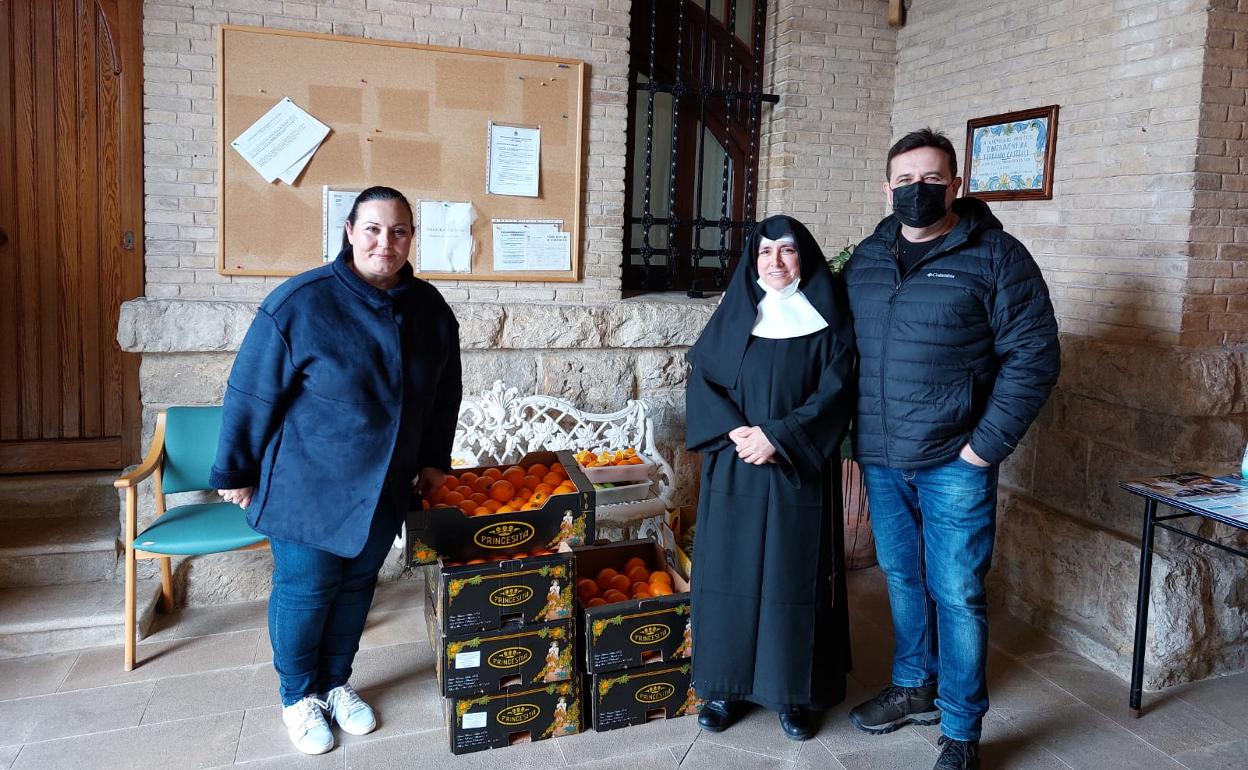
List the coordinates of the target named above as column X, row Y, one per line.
column 180, row 115
column 1216, row 310
column 824, row 144
column 1114, row 240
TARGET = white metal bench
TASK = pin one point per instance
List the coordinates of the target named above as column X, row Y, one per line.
column 502, row 426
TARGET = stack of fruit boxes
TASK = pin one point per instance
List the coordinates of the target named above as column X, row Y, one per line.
column 637, row 637
column 500, row 622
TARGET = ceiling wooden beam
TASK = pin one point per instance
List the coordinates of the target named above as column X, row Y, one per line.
column 896, row 13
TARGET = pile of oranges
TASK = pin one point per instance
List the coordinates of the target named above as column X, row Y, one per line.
column 634, row 581
column 501, row 490
column 628, row 456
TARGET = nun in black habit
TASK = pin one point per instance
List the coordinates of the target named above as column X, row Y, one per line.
column 768, row 404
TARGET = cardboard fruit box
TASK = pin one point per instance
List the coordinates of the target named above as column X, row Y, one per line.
column 488, row 663
column 515, row 716
column 485, row 597
column 634, row 632
column 454, row 535
column 633, row 697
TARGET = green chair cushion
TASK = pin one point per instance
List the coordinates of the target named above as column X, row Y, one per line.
column 189, row 530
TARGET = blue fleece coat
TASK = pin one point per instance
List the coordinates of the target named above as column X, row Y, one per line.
column 340, row 394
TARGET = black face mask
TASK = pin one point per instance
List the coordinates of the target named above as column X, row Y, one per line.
column 920, row 204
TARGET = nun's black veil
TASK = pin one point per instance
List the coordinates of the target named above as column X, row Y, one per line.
column 721, row 347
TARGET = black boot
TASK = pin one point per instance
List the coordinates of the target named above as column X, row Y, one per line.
column 799, row 724
column 957, row 755
column 718, row 715
column 896, row 707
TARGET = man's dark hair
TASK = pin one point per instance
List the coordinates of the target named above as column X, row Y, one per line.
column 924, row 137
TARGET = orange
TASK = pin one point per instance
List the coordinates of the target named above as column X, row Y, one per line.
column 639, row 575
column 659, row 589
column 604, row 578
column 586, row 589
column 492, row 504
column 642, row 591
column 502, row 491
column 621, row 583
column 614, row 596
column 660, row 577
column 597, row 601
column 530, row 507
column 468, row 477
column 515, row 475
column 521, row 555
column 465, row 490
column 424, row 505
column 492, row 473
column 440, row 493
column 552, row 478
column 478, row 497
column 467, row 507
column 558, row 468
column 544, row 488
column 475, row 561
column 482, row 484
column 453, row 498
column 636, row 561
column 540, row 498
column 531, row 481
column 539, row 470
column 524, row 493
column 566, row 487
column 516, row 503
column 505, row 509
column 481, row 511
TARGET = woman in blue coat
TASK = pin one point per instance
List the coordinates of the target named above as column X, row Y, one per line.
column 342, row 400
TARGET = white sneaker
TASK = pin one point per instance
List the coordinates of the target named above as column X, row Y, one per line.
column 349, row 711
column 306, row 725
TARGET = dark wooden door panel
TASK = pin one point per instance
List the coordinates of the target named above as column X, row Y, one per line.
column 70, row 187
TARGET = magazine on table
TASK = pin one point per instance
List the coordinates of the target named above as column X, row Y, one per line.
column 1225, row 496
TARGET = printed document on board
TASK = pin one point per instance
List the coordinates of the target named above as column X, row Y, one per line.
column 445, row 237
column 281, row 142
column 514, row 155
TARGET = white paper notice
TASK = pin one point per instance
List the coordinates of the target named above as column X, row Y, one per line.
column 512, row 250
column 445, row 237
column 335, row 206
column 468, row 659
column 513, row 163
column 548, row 251
column 281, row 142
column 474, row 721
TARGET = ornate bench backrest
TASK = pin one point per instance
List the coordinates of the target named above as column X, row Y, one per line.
column 502, row 426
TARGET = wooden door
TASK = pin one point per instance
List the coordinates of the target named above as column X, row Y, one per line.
column 71, row 225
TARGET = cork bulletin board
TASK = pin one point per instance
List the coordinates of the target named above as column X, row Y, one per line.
column 407, row 116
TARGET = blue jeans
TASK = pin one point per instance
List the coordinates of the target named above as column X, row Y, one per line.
column 934, row 530
column 318, row 607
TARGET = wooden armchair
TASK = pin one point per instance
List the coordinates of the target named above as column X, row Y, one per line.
column 179, row 460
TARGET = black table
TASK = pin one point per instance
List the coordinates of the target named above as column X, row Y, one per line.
column 1151, row 523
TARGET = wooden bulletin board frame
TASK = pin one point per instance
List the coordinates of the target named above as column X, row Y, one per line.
column 409, row 116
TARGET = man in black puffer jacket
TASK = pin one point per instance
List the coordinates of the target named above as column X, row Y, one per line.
column 959, row 352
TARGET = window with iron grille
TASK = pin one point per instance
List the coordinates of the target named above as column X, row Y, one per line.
column 694, row 110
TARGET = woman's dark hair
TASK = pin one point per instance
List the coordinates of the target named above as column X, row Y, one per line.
column 924, row 137
column 377, row 193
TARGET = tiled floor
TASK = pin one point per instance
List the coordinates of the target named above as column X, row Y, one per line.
column 204, row 696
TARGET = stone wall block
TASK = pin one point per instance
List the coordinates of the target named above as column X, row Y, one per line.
column 1061, row 469
column 1183, row 382
column 185, row 379
column 516, row 368
column 594, row 380
column 480, row 324
column 655, row 324
column 658, row 369
column 164, row 326
column 531, row 326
